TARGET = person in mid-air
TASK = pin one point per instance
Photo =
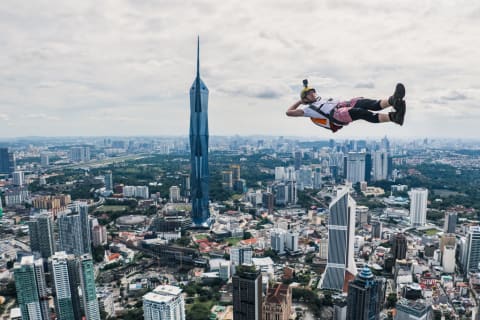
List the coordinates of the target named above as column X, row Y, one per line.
column 334, row 115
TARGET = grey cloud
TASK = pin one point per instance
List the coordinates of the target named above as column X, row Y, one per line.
column 367, row 85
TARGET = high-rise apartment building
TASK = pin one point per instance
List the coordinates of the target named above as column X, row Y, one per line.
column 80, row 154
column 341, row 267
column 247, row 293
column 291, row 241
column 40, row 230
column 32, row 295
column 278, row 302
column 235, row 171
column 277, row 240
column 44, row 159
column 73, row 234
column 364, row 297
column 165, row 302
column 268, row 201
column 87, row 284
column 241, row 255
column 317, row 178
column 18, row 178
column 376, row 229
column 174, row 192
column 65, row 281
column 418, row 206
column 227, row 180
column 199, row 176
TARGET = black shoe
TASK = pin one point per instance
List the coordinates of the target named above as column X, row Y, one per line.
column 399, row 116
column 397, row 96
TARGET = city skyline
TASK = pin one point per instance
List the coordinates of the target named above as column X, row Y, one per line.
column 134, row 66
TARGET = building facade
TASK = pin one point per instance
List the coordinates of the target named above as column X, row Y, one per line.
column 247, row 293
column 341, row 267
column 418, row 206
column 200, row 175
column 164, row 303
column 278, row 302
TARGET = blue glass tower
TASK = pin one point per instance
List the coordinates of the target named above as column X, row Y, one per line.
column 199, row 176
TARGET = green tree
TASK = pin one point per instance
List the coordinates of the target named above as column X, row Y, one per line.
column 391, row 300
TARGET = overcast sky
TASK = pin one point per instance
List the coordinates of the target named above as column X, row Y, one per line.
column 125, row 67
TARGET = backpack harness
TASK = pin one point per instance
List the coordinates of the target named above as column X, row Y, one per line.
column 327, row 110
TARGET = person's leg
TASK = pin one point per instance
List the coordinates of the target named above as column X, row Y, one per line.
column 363, row 114
column 368, row 104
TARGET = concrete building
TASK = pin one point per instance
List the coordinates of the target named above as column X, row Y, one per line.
column 291, row 241
column 472, row 250
column 40, row 230
column 87, row 285
column 364, row 300
column 341, row 267
column 32, row 296
column 355, row 167
column 247, row 293
column 412, row 310
column 277, row 240
column 450, row 222
column 278, row 302
column 18, row 178
column 174, row 192
column 165, row 302
column 448, row 259
column 418, row 206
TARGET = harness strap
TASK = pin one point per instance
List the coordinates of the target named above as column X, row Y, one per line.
column 328, row 116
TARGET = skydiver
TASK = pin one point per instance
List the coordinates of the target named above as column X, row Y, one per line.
column 334, row 114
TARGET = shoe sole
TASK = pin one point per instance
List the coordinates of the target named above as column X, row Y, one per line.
column 401, row 110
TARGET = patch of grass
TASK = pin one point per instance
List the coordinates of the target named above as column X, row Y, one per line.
column 233, row 241
column 431, row 232
column 201, row 236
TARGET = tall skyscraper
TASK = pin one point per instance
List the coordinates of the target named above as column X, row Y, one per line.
column 85, row 225
column 268, row 201
column 80, row 154
column 65, row 280
column 235, row 172
column 278, row 302
column 227, row 180
column 165, row 302
column 74, row 232
column 174, row 192
column 317, row 178
column 472, row 256
column 199, row 176
column 40, row 230
column 356, row 167
column 241, row 255
column 32, row 295
column 450, row 222
column 291, row 241
column 399, row 248
column 7, row 161
column 341, row 266
column 376, row 229
column 44, row 159
column 247, row 293
column 418, row 206
column 108, row 181
column 364, row 297
column 87, row 283
column 379, row 165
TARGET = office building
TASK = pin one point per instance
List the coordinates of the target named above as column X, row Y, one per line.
column 241, row 255
column 108, row 181
column 341, row 267
column 291, row 241
column 40, row 230
column 418, row 206
column 174, row 192
column 317, row 178
column 199, row 176
column 165, row 302
column 268, row 201
column 472, row 250
column 412, row 310
column 450, row 222
column 278, row 302
column 247, row 293
column 297, row 159
column 18, row 178
column 305, row 178
column 89, row 291
column 399, row 248
column 448, row 259
column 376, row 229
column 277, row 240
column 7, row 161
column 185, row 187
column 235, row 172
column 355, row 167
column 32, row 296
column 379, row 165
column 364, row 297
column 227, row 180
column 44, row 159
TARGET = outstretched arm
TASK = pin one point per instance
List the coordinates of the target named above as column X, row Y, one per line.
column 293, row 110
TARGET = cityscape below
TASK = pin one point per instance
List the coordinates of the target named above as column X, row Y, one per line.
column 238, row 228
